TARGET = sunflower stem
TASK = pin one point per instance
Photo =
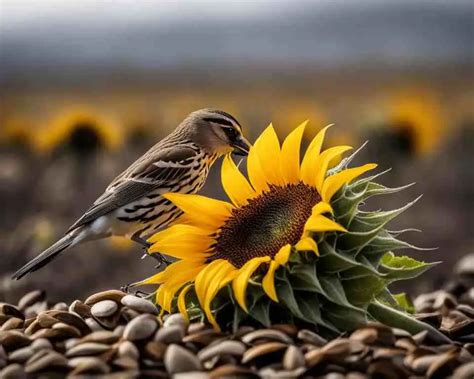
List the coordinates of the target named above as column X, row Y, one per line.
column 396, row 319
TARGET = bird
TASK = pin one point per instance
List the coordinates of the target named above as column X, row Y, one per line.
column 133, row 205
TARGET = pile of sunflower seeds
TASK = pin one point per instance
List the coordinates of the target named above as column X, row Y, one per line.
column 115, row 334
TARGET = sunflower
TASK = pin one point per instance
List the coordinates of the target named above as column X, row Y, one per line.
column 281, row 209
column 416, row 119
column 82, row 129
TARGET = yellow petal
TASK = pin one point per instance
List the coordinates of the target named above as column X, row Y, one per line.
column 182, row 302
column 240, row 283
column 174, row 269
column 200, row 209
column 307, row 244
column 290, row 155
column 255, row 172
column 268, row 282
column 170, row 289
column 268, row 150
column 177, row 231
column 322, row 224
column 263, row 161
column 283, row 254
column 323, row 162
column 174, row 279
column 310, row 158
column 160, row 292
column 235, row 184
column 154, row 279
column 221, row 278
column 205, row 277
column 320, row 208
column 335, row 182
column 182, row 242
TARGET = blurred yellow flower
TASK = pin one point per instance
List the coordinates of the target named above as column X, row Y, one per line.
column 416, row 115
column 81, row 125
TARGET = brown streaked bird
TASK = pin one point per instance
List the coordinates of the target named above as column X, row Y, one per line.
column 132, row 205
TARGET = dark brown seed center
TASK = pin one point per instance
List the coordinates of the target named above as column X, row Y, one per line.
column 267, row 223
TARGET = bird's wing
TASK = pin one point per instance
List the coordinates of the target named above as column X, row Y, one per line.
column 164, row 169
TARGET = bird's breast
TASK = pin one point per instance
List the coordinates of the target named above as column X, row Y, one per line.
column 152, row 212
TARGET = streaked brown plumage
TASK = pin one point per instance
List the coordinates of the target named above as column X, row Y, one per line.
column 132, row 204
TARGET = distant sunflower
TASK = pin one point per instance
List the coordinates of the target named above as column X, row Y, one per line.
column 81, row 130
column 416, row 119
column 280, row 209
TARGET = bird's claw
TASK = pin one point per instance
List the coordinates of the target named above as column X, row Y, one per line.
column 125, row 288
column 139, row 293
column 159, row 257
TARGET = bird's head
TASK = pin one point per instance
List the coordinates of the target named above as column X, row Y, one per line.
column 216, row 132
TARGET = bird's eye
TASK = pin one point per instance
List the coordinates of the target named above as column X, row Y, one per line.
column 231, row 133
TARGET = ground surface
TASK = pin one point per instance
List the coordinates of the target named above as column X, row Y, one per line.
column 116, row 334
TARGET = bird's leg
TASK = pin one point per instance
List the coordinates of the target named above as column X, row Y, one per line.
column 146, row 245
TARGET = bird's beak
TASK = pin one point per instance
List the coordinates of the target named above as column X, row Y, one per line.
column 241, row 146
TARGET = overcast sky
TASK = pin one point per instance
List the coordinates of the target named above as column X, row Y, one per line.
column 154, row 34
column 25, row 14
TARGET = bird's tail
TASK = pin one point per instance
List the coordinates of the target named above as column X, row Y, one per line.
column 46, row 256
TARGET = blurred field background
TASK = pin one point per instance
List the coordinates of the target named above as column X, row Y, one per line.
column 85, row 88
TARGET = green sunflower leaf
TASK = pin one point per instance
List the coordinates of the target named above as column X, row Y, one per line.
column 305, row 278
column 346, row 205
column 385, row 297
column 402, row 267
column 383, row 243
column 404, row 302
column 239, row 317
column 310, row 307
column 286, row 294
column 375, row 189
column 334, row 291
column 360, row 292
column 356, row 273
column 261, row 312
column 334, row 261
column 397, row 319
column 366, row 225
column 344, row 318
